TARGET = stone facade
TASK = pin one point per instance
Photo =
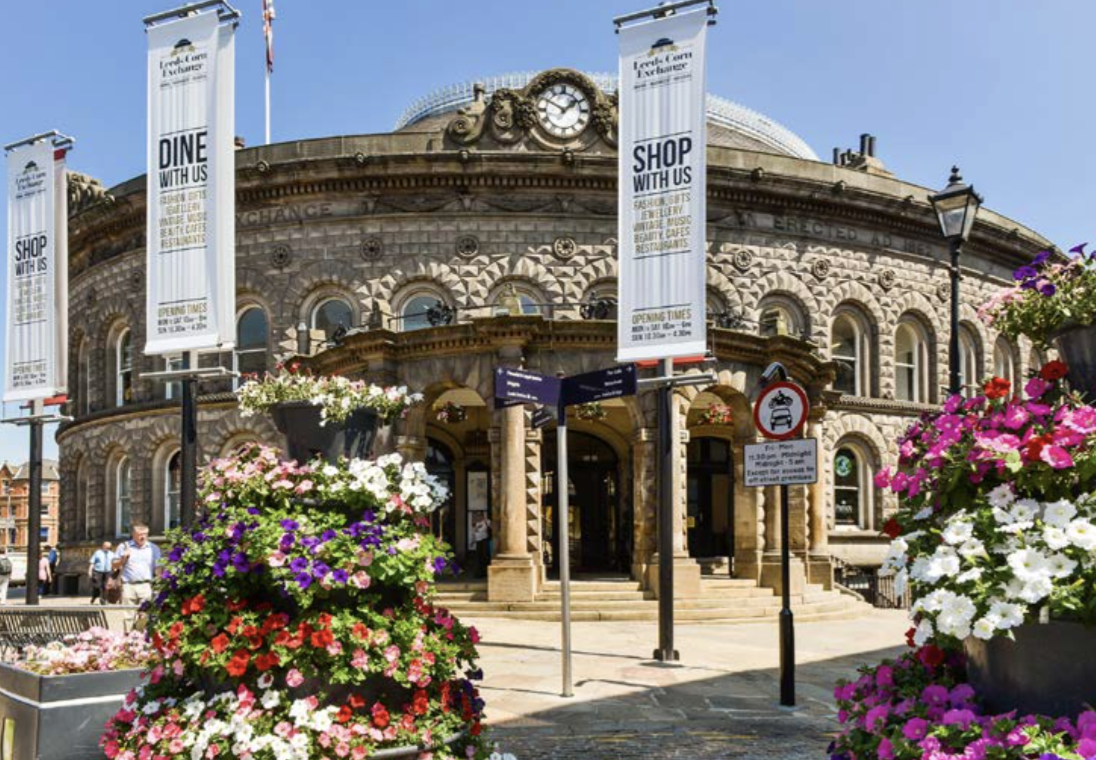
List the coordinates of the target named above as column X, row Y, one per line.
column 385, row 223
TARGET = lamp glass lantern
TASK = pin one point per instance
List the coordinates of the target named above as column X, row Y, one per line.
column 956, row 206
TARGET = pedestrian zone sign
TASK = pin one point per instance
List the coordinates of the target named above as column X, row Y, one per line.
column 782, row 463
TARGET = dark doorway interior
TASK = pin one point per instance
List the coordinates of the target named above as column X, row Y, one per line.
column 600, row 527
column 710, row 498
column 443, row 522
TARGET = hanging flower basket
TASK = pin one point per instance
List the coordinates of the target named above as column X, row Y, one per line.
column 307, row 435
column 591, row 412
column 717, row 414
column 450, row 413
column 1076, row 344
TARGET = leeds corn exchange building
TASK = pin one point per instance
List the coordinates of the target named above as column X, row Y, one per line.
column 481, row 232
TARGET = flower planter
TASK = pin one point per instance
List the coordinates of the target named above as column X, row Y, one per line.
column 305, row 437
column 1077, row 346
column 59, row 717
column 1048, row 669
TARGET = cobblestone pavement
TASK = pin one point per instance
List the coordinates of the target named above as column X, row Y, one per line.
column 721, row 701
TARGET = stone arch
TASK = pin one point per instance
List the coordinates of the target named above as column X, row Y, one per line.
column 917, row 303
column 866, row 436
column 463, row 292
column 590, row 274
column 721, row 284
column 790, row 287
column 856, row 293
column 520, row 268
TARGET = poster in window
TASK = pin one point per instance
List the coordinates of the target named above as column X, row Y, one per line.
column 479, row 528
column 478, row 491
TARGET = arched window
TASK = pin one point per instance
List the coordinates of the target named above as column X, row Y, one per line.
column 781, row 315
column 123, row 368
column 249, row 358
column 846, row 349
column 523, row 299
column 83, row 378
column 600, row 301
column 1003, row 363
column 329, row 314
column 173, row 474
column 911, row 379
column 83, row 517
column 1036, row 360
column 969, row 370
column 123, row 497
column 415, row 311
column 852, row 484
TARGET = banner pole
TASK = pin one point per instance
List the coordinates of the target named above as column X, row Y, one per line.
column 34, row 503
column 267, row 80
column 787, row 621
column 188, row 487
column 666, row 651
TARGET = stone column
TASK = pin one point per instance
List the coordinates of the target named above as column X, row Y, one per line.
column 771, row 576
column 748, row 521
column 512, row 574
column 644, row 501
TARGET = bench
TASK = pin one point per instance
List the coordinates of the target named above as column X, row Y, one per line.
column 20, row 627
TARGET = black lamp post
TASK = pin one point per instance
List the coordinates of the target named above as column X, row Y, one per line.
column 956, row 207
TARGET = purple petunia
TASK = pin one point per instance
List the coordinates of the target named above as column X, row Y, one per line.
column 1025, row 273
column 289, row 524
column 304, row 580
column 328, row 535
column 298, row 565
column 340, row 576
column 319, row 569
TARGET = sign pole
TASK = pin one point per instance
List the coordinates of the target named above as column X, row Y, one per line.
column 666, row 651
column 188, row 487
column 787, row 620
column 34, row 503
column 564, row 496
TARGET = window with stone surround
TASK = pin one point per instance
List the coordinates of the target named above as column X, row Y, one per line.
column 123, row 496
column 249, row 357
column 1004, row 362
column 527, row 300
column 851, row 347
column 912, row 361
column 123, row 368
column 781, row 314
column 853, row 487
column 970, row 360
column 173, row 472
column 331, row 313
column 173, row 363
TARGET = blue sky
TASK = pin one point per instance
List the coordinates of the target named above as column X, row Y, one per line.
column 1003, row 87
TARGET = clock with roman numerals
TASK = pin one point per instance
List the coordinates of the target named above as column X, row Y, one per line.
column 563, row 110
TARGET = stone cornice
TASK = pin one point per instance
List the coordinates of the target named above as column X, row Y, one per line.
column 840, row 402
column 141, row 411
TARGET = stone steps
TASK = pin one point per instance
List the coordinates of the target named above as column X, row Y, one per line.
column 803, row 613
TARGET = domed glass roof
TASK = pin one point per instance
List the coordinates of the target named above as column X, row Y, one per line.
column 722, row 112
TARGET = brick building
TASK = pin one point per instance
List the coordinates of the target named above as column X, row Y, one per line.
column 472, row 236
column 15, row 498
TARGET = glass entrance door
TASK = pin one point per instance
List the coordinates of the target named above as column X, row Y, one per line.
column 710, row 498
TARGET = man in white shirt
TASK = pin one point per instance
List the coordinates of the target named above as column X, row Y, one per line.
column 137, row 559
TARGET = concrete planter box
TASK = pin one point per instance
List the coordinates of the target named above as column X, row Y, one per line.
column 58, row 717
column 1049, row 669
column 1077, row 346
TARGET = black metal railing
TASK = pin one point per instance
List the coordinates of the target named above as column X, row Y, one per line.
column 877, row 590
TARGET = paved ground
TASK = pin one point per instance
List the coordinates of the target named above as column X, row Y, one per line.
column 722, row 701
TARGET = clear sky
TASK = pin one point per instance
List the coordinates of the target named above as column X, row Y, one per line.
column 1003, row 87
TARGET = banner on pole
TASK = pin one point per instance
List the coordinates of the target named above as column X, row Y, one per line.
column 662, row 185
column 37, row 287
column 190, row 268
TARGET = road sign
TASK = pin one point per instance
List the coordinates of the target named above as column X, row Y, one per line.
column 518, row 386
column 781, row 411
column 542, row 416
column 781, row 463
column 599, row 385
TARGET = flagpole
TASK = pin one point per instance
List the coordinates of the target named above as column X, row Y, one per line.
column 267, row 105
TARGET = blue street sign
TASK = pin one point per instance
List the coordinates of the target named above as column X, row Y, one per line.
column 517, row 386
column 599, row 385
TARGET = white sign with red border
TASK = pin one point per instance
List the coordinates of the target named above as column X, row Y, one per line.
column 781, row 411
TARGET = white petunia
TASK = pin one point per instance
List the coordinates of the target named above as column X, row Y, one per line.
column 973, row 548
column 967, row 576
column 1082, row 534
column 1024, row 510
column 1059, row 513
column 901, row 581
column 923, row 633
column 1061, row 566
column 1055, row 538
column 944, row 563
column 1036, row 590
column 1008, row 614
column 1001, row 496
column 1029, row 565
column 985, row 627
column 958, row 532
column 923, row 514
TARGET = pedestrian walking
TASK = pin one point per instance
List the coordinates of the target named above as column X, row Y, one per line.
column 137, row 560
column 44, row 575
column 5, row 574
column 54, row 560
column 100, row 567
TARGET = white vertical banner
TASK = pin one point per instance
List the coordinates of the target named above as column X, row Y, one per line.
column 662, row 180
column 37, row 287
column 190, row 267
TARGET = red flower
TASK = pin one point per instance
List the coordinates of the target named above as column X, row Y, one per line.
column 194, row 604
column 357, row 701
column 322, row 639
column 236, row 606
column 1035, row 446
column 267, row 661
column 235, row 625
column 931, row 655
column 344, row 714
column 237, row 666
column 175, row 631
column 254, row 642
column 997, row 387
column 476, row 728
column 909, row 637
column 360, row 631
column 380, row 715
column 219, row 643
column 421, row 703
column 892, row 529
column 1054, row 370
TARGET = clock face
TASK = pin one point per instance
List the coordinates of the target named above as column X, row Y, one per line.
column 563, row 110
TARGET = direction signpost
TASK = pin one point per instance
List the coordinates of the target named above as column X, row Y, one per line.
column 518, row 386
column 780, row 414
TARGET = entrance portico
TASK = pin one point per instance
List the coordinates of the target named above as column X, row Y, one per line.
column 501, row 518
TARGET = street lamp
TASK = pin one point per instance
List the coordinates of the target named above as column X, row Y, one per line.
column 956, row 206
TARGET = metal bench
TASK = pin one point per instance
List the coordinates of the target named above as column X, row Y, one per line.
column 20, row 627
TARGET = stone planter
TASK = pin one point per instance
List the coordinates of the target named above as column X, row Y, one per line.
column 305, row 437
column 1049, row 669
column 59, row 717
column 1077, row 346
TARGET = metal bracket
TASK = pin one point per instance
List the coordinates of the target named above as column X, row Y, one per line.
column 60, row 141
column 198, row 373
column 225, row 12
column 665, row 9
column 42, row 419
column 675, row 381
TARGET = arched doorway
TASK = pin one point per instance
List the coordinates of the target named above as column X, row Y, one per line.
column 600, row 527
column 710, row 498
column 439, row 463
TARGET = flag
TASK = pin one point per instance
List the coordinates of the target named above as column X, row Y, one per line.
column 268, row 33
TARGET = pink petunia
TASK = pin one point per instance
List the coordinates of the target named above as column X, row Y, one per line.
column 294, row 678
column 1056, row 457
column 1036, row 387
column 1016, row 417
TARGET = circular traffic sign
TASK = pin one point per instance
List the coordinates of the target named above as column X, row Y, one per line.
column 780, row 412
